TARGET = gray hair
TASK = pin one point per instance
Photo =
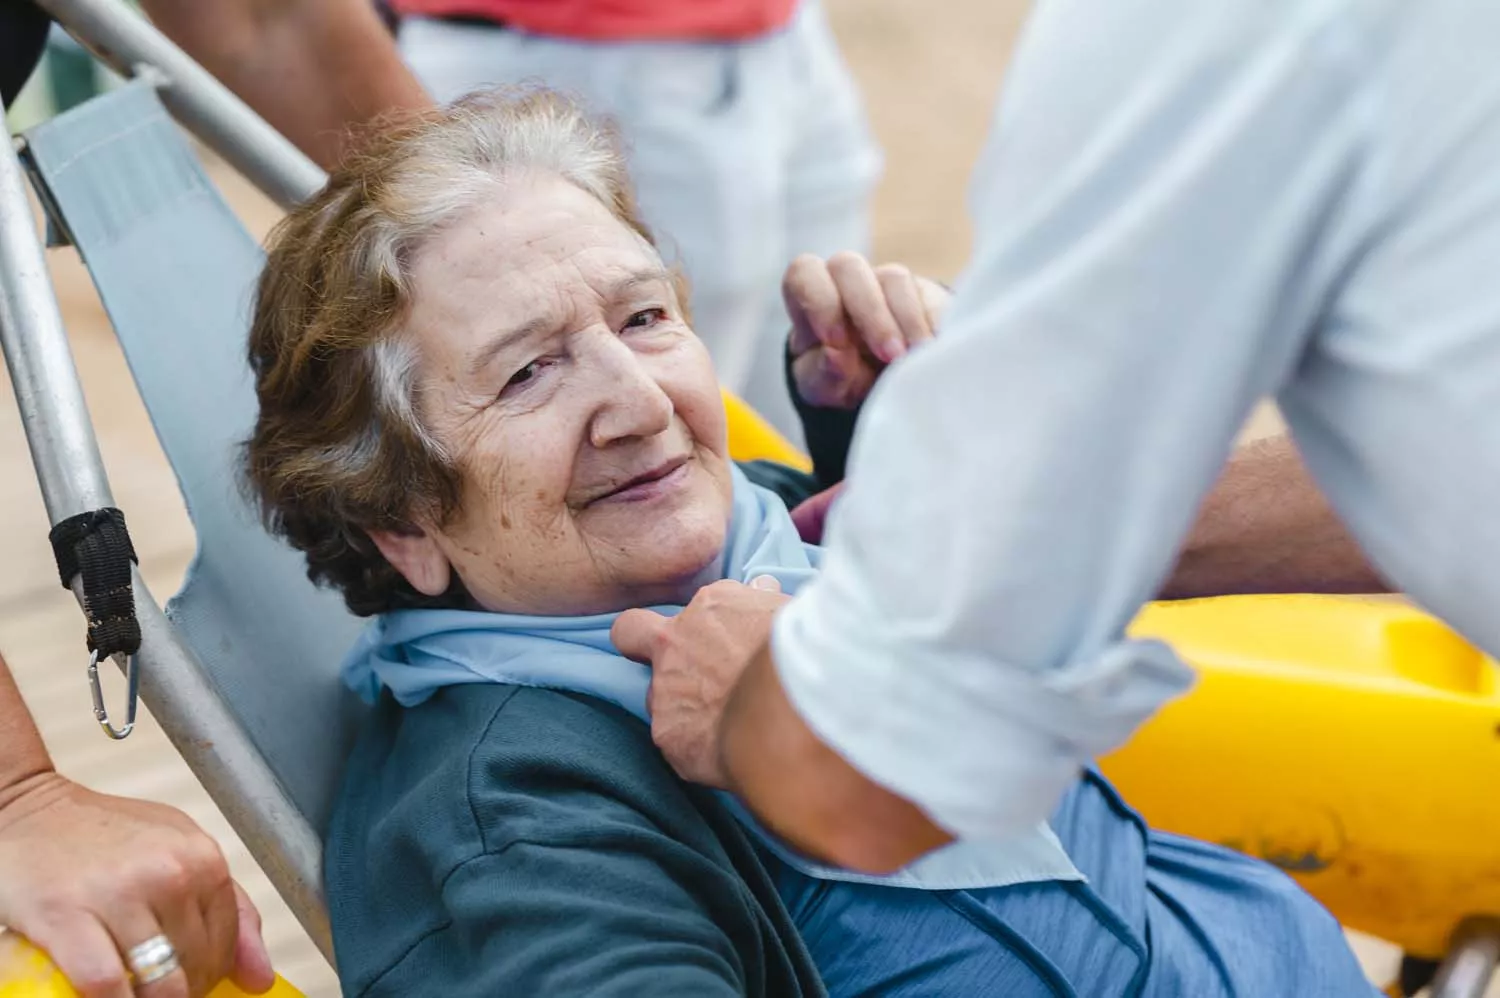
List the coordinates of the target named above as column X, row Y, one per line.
column 338, row 448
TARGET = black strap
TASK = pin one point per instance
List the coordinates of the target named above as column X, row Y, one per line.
column 828, row 432
column 23, row 37
column 97, row 545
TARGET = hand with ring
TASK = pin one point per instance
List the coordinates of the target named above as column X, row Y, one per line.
column 152, row 961
column 127, row 897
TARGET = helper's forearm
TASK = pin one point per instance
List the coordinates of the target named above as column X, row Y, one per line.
column 312, row 68
column 1266, row 528
column 804, row 791
column 22, row 754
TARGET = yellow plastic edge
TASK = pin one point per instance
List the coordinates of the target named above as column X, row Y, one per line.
column 1352, row 741
column 26, row 972
column 751, row 438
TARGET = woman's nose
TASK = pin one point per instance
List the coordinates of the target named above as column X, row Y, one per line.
column 631, row 402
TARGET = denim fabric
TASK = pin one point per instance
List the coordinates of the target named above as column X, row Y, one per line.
column 1159, row 917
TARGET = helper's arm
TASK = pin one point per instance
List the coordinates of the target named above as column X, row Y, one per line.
column 1150, row 260
column 1266, row 528
column 312, row 68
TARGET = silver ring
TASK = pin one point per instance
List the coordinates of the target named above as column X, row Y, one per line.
column 152, row 960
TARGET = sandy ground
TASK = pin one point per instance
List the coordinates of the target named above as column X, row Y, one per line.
column 930, row 84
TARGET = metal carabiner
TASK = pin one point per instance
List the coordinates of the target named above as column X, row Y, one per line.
column 132, row 683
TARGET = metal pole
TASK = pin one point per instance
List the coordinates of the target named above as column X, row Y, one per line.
column 72, row 478
column 126, row 41
column 198, row 722
column 58, row 428
column 1467, row 970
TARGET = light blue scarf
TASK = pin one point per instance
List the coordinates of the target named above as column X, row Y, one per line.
column 413, row 653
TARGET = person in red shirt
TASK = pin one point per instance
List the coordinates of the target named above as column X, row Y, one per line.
column 745, row 134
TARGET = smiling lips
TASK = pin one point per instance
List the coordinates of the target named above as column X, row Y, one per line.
column 647, row 485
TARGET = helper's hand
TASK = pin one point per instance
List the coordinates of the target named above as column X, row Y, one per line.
column 86, row 876
column 696, row 658
column 851, row 319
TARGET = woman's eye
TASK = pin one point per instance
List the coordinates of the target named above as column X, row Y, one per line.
column 645, row 319
column 525, row 374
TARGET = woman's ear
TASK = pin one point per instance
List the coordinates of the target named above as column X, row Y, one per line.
column 414, row 553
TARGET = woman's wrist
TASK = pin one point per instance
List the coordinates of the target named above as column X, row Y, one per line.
column 25, row 792
column 23, row 754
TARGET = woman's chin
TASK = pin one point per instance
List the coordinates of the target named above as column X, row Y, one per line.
column 672, row 570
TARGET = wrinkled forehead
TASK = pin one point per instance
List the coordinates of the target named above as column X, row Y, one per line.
column 537, row 245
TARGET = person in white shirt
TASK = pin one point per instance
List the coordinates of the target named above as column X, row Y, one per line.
column 1184, row 208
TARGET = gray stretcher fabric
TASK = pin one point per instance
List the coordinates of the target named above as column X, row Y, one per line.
column 176, row 272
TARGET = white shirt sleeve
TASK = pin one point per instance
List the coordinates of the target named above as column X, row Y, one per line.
column 1176, row 200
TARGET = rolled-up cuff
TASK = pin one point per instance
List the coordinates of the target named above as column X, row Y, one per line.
column 984, row 747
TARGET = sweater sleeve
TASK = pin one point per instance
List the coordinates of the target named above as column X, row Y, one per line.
column 595, row 919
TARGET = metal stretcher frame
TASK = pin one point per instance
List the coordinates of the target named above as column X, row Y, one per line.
column 65, row 454
column 60, row 435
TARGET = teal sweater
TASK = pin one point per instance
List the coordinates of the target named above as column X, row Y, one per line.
column 500, row 840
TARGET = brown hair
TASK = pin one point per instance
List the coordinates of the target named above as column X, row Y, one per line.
column 338, row 447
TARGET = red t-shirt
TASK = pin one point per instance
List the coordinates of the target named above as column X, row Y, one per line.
column 618, row 20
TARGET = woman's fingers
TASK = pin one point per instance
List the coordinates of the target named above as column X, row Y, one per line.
column 865, row 304
column 813, row 305
column 252, row 964
column 132, row 923
column 904, row 298
column 84, row 951
column 219, row 916
column 833, row 379
column 193, row 899
column 935, row 300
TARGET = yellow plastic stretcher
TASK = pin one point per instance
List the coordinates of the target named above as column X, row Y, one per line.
column 1352, row 741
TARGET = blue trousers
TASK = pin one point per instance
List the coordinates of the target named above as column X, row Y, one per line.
column 1158, row 916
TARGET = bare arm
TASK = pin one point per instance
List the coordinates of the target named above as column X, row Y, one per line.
column 23, row 757
column 312, row 68
column 1266, row 528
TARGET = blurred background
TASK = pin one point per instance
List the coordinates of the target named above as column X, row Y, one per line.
column 929, row 84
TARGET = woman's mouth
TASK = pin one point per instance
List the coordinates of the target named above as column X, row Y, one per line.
column 660, row 481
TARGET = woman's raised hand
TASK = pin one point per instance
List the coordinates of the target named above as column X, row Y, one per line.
column 850, row 319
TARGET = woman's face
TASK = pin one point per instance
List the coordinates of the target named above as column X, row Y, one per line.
column 556, row 369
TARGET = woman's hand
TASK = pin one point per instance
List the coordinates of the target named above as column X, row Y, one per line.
column 86, row 876
column 851, row 319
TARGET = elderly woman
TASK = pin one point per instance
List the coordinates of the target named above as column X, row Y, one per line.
column 485, row 418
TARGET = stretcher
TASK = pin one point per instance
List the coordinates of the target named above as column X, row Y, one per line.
column 1352, row 742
